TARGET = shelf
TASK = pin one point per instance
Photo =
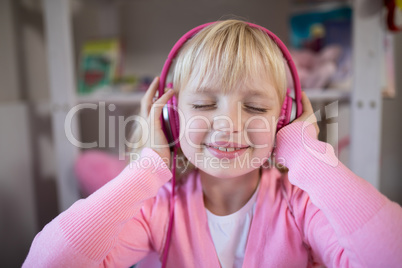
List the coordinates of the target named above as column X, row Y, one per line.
column 327, row 94
column 115, row 98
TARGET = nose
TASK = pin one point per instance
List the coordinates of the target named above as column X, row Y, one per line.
column 228, row 120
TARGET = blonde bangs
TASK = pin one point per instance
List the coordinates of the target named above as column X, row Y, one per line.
column 226, row 53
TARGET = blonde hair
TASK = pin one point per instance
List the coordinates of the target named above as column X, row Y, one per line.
column 227, row 51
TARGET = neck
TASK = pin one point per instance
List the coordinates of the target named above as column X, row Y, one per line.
column 226, row 196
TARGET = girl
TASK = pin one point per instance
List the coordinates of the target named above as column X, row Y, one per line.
column 231, row 210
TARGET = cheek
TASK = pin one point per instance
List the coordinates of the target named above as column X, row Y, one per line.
column 261, row 131
column 194, row 132
column 194, row 128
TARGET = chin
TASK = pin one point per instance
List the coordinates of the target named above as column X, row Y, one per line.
column 225, row 171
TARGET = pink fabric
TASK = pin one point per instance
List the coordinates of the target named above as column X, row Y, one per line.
column 337, row 219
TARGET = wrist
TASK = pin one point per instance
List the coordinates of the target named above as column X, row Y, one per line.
column 297, row 144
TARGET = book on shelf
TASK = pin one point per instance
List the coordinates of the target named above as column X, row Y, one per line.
column 100, row 64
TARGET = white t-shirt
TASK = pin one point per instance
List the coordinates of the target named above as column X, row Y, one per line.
column 229, row 233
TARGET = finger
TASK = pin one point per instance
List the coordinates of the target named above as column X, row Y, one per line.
column 309, row 112
column 307, row 107
column 151, row 90
column 146, row 101
column 169, row 92
column 157, row 107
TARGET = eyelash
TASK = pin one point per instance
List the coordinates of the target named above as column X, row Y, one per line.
column 261, row 110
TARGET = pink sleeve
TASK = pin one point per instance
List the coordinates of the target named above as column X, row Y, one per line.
column 88, row 231
column 344, row 219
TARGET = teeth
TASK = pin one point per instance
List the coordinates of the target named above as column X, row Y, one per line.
column 223, row 149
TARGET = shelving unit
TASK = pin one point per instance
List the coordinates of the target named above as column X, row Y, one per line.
column 116, row 98
column 364, row 98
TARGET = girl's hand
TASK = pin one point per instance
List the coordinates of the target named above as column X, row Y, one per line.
column 151, row 110
column 308, row 115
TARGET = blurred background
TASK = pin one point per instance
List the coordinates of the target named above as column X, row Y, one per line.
column 73, row 71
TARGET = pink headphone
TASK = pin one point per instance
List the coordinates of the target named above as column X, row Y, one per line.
column 291, row 108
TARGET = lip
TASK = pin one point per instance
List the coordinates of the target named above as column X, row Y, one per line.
column 229, row 155
column 227, row 144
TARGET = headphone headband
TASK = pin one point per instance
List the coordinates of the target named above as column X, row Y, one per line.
column 279, row 43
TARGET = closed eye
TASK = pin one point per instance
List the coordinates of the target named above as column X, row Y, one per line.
column 261, row 110
column 255, row 109
column 196, row 106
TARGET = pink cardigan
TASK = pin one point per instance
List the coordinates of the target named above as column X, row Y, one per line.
column 319, row 213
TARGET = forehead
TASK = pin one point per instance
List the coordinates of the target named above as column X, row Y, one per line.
column 243, row 91
column 257, row 87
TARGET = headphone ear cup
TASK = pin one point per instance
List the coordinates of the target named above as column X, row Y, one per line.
column 292, row 111
column 175, row 122
column 288, row 111
column 171, row 121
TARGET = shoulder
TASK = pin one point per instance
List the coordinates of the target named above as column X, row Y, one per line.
column 160, row 204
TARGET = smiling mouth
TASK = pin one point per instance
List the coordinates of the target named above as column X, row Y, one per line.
column 227, row 149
